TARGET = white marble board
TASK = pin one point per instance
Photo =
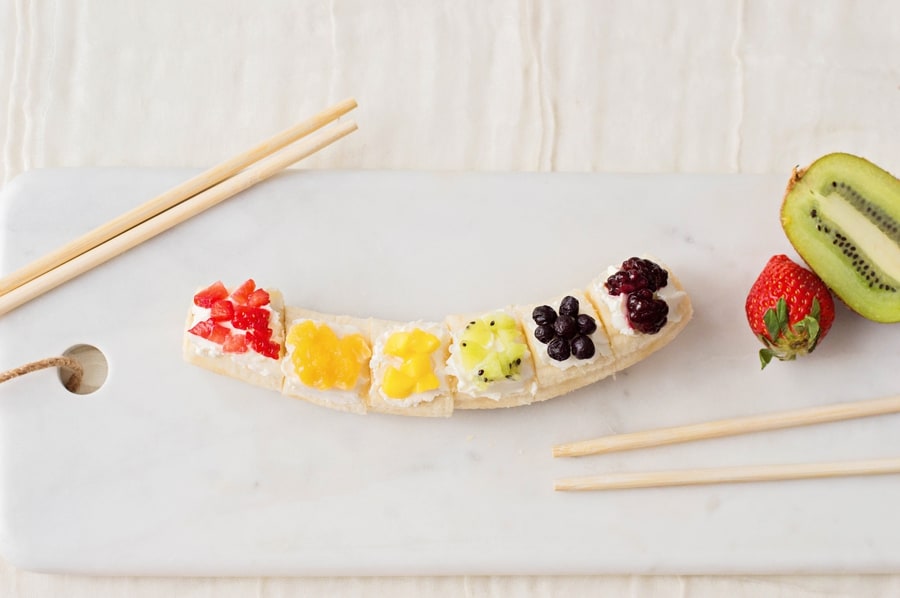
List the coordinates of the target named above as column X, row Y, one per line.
column 171, row 470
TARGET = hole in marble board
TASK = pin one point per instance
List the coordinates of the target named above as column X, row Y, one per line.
column 95, row 366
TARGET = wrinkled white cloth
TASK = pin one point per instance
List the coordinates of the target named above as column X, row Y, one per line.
column 510, row 85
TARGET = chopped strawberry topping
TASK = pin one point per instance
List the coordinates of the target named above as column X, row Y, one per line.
column 235, row 343
column 258, row 298
column 221, row 310
column 260, row 342
column 210, row 294
column 202, row 329
column 242, row 293
column 250, row 318
column 218, row 334
column 210, row 330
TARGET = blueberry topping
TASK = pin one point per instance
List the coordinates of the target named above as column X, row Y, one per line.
column 568, row 306
column 543, row 314
column 558, row 349
column 586, row 324
column 582, row 347
column 544, row 333
column 565, row 326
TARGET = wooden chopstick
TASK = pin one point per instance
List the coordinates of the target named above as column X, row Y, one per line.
column 719, row 475
column 729, row 427
column 172, row 197
column 174, row 215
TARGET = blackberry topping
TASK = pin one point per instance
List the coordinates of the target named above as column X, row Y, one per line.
column 656, row 275
column 638, row 279
column 568, row 306
column 558, row 349
column 626, row 281
column 544, row 333
column 582, row 347
column 565, row 326
column 586, row 324
column 645, row 313
column 635, row 274
column 543, row 314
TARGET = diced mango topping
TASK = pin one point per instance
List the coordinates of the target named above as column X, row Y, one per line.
column 324, row 361
column 416, row 372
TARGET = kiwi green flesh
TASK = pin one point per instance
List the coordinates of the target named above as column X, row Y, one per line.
column 842, row 215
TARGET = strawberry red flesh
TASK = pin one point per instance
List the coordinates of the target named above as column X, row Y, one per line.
column 221, row 311
column 235, row 343
column 250, row 318
column 202, row 329
column 242, row 293
column 215, row 292
column 258, row 298
column 219, row 334
column 262, row 345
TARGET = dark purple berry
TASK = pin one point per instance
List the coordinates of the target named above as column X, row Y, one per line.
column 544, row 333
column 656, row 276
column 543, row 314
column 626, row 281
column 582, row 347
column 565, row 326
column 558, row 349
column 586, row 324
column 646, row 314
column 568, row 306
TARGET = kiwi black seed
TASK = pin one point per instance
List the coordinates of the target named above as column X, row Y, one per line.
column 842, row 215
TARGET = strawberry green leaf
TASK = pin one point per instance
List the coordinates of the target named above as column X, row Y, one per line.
column 773, row 327
column 783, row 316
column 765, row 357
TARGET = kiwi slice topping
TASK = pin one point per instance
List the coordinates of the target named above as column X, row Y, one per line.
column 842, row 215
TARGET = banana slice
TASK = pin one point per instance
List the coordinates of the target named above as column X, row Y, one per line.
column 573, row 354
column 326, row 359
column 230, row 345
column 490, row 361
column 409, row 373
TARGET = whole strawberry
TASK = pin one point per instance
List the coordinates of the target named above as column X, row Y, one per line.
column 789, row 309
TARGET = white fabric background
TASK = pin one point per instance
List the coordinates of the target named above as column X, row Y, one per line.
column 511, row 85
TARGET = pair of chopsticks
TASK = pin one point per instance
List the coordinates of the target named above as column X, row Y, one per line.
column 175, row 206
column 730, row 427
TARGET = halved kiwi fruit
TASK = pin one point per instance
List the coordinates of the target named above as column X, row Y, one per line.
column 842, row 215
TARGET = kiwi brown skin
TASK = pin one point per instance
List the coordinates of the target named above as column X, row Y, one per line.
column 842, row 215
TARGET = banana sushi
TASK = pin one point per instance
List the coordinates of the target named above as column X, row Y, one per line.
column 505, row 357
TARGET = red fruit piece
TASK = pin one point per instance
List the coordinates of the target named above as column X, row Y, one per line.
column 202, row 329
column 260, row 342
column 221, row 311
column 258, row 298
column 250, row 318
column 235, row 343
column 789, row 309
column 210, row 294
column 241, row 294
column 210, row 330
column 218, row 334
